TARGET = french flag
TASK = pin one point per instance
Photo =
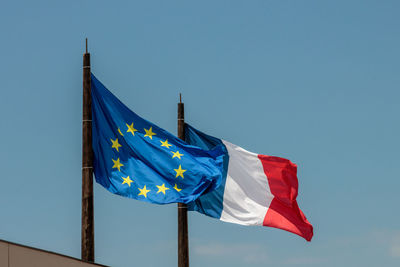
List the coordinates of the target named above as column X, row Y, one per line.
column 255, row 190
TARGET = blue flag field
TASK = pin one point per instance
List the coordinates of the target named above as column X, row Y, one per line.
column 135, row 158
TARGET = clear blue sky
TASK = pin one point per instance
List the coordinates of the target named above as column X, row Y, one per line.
column 313, row 81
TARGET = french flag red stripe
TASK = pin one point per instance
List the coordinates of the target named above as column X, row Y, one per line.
column 283, row 212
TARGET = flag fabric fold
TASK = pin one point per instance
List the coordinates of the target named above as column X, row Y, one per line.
column 137, row 159
column 255, row 189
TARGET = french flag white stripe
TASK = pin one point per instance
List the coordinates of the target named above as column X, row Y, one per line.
column 247, row 195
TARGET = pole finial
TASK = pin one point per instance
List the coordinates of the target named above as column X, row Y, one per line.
column 180, row 98
column 86, row 46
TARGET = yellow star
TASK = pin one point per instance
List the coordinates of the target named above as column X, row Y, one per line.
column 143, row 191
column 149, row 133
column 177, row 155
column 162, row 188
column 176, row 188
column 131, row 129
column 165, row 143
column 127, row 180
column 119, row 130
column 115, row 144
column 117, row 164
column 179, row 172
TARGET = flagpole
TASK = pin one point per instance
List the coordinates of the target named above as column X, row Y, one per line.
column 183, row 242
column 87, row 230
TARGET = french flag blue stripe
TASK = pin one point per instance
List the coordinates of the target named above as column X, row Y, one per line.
column 211, row 203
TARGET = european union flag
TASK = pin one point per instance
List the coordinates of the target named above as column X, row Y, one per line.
column 136, row 159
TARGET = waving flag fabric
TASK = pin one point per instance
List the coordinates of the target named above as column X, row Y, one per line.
column 255, row 189
column 136, row 159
